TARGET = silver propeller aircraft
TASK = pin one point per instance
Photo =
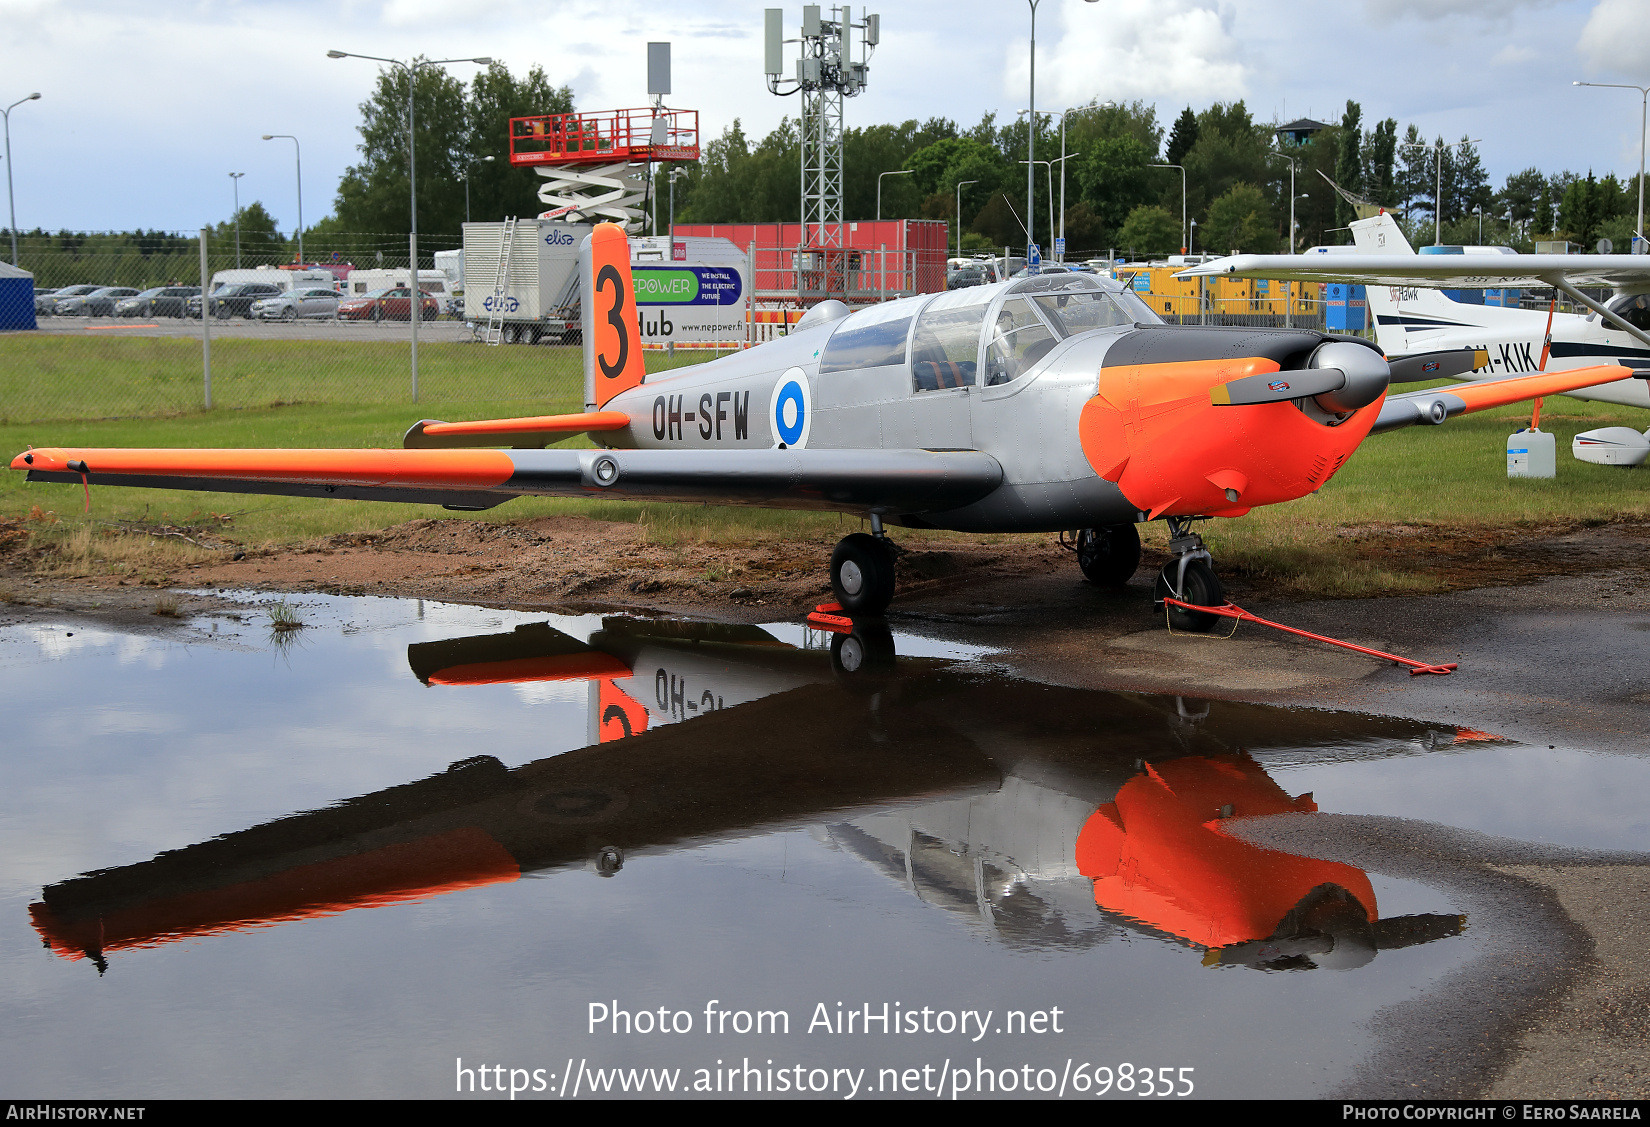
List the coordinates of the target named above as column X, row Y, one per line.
column 1054, row 403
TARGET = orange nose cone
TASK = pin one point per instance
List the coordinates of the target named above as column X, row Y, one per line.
column 1153, row 431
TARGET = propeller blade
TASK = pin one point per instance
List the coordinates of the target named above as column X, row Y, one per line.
column 1439, row 365
column 1276, row 387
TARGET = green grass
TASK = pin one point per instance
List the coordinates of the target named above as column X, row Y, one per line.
column 1452, row 477
column 100, row 376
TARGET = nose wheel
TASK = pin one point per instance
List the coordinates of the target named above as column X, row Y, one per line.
column 862, row 574
column 1189, row 577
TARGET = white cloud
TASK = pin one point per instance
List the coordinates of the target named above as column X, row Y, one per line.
column 1491, row 10
column 1178, row 49
column 1617, row 39
column 1511, row 55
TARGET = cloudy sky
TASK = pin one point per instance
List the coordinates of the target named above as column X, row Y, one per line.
column 146, row 108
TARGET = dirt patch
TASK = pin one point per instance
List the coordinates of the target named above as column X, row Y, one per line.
column 578, row 563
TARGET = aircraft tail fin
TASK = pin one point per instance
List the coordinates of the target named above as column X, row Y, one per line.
column 612, row 338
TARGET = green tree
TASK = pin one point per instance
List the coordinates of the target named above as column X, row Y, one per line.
column 1349, row 165
column 1183, row 137
column 498, row 189
column 1380, row 171
column 1230, row 149
column 1582, row 211
column 1149, row 230
column 372, row 195
column 1521, row 195
column 260, row 238
column 1241, row 220
column 1115, row 178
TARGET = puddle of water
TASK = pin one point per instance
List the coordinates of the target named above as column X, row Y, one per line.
column 422, row 833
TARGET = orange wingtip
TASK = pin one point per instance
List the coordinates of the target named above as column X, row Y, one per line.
column 437, row 469
column 1499, row 393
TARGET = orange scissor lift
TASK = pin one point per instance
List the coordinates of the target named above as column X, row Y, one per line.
column 594, row 163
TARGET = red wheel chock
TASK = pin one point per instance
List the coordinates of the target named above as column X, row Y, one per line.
column 824, row 617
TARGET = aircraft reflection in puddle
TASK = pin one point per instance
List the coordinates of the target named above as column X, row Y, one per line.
column 1016, row 806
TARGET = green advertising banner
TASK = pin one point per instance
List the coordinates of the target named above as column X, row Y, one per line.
column 665, row 287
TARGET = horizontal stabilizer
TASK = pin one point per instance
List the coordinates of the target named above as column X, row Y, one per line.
column 533, row 432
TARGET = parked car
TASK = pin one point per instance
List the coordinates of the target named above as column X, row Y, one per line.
column 162, row 301
column 234, row 299
column 295, row 304
column 393, row 304
column 964, row 278
column 99, row 303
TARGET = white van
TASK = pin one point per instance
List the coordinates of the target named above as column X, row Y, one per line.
column 433, row 282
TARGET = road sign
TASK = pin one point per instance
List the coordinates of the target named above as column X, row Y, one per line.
column 1034, row 255
column 1060, row 247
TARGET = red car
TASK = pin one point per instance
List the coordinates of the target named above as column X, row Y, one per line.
column 393, row 304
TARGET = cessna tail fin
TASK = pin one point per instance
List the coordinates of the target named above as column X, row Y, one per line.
column 1396, row 311
column 612, row 339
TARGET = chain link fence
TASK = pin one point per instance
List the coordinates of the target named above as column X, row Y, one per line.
column 277, row 336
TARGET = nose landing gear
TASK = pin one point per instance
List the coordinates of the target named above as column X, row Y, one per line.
column 1189, row 577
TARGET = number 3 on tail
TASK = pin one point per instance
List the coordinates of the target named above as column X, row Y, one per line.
column 615, row 317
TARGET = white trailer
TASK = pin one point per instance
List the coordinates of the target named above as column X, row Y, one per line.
column 285, row 280
column 535, row 291
column 432, row 282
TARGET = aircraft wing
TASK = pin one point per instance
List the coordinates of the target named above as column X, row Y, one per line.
column 1437, row 404
column 1439, row 271
column 886, row 481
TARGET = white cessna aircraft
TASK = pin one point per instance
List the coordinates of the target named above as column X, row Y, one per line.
column 1412, row 317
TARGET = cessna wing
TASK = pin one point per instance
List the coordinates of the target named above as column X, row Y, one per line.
column 899, row 481
column 1440, row 271
column 1438, row 404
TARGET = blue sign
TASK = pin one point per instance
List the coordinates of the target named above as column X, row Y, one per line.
column 1060, row 247
column 1034, row 255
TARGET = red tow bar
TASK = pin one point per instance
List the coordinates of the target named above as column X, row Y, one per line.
column 1232, row 610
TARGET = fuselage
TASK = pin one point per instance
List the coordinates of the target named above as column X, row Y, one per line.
column 1097, row 412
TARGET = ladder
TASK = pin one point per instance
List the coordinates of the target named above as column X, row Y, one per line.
column 493, row 333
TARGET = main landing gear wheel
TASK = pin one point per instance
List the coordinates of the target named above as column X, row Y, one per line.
column 862, row 574
column 1201, row 587
column 1109, row 556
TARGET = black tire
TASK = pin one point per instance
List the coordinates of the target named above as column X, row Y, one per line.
column 862, row 574
column 425, row 313
column 1202, row 589
column 223, row 312
column 290, row 313
column 1109, row 556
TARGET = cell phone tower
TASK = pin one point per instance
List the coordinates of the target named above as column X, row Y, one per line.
column 826, row 73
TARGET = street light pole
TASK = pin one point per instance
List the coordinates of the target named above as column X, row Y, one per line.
column 960, row 184
column 1183, row 229
column 467, row 166
column 235, row 179
column 1644, row 107
column 415, row 308
column 1438, row 191
column 11, row 200
column 675, row 174
column 880, row 175
column 1050, row 166
column 298, row 154
column 1031, row 139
